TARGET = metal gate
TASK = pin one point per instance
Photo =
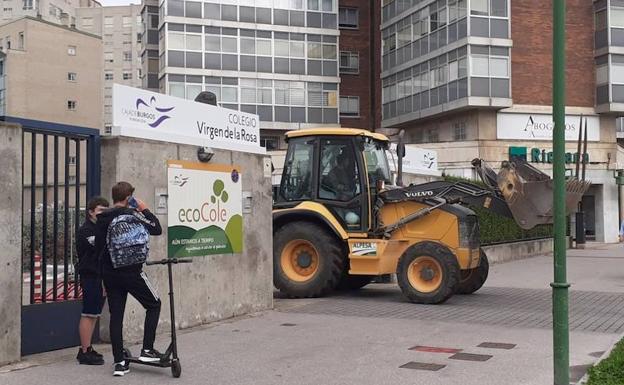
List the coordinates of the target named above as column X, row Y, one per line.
column 61, row 170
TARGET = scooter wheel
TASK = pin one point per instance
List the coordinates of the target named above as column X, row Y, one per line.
column 127, row 353
column 176, row 368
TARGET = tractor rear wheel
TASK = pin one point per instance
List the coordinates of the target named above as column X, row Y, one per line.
column 428, row 273
column 307, row 260
column 471, row 280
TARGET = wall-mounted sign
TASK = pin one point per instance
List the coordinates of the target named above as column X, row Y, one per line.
column 541, row 155
column 204, row 213
column 540, row 127
column 416, row 160
column 149, row 115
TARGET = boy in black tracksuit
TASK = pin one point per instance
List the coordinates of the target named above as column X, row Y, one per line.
column 129, row 279
column 90, row 282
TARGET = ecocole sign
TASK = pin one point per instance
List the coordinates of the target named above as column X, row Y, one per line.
column 205, row 214
column 149, row 115
column 540, row 126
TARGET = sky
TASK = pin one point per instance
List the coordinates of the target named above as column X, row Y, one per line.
column 119, row 2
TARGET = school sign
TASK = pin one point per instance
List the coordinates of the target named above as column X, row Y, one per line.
column 204, row 209
column 149, row 115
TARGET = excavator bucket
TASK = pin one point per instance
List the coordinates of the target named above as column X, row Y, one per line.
column 529, row 192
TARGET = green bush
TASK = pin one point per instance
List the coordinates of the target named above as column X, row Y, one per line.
column 496, row 228
column 609, row 371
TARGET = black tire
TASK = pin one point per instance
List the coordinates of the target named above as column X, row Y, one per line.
column 176, row 368
column 473, row 279
column 440, row 262
column 354, row 282
column 330, row 260
column 127, row 353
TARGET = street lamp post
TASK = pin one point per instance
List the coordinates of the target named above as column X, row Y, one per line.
column 560, row 285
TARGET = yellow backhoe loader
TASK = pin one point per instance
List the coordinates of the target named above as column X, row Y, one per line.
column 338, row 222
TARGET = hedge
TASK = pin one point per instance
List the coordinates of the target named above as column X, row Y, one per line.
column 495, row 228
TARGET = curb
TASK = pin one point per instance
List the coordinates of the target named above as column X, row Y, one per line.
column 606, row 354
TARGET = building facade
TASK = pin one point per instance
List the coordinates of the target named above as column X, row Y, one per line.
column 121, row 30
column 149, row 45
column 360, row 64
column 277, row 59
column 473, row 79
column 45, row 56
column 54, row 11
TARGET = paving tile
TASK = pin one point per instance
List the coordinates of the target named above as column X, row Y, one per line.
column 434, row 349
column 496, row 345
column 470, row 357
column 423, row 366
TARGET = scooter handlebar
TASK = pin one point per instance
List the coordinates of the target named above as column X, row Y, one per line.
column 168, row 261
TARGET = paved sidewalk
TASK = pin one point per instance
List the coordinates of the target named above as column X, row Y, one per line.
column 365, row 337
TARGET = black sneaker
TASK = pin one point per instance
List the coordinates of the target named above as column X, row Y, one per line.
column 89, row 358
column 121, row 368
column 151, row 355
column 92, row 351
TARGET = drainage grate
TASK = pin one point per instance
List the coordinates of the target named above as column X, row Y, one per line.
column 496, row 345
column 434, row 349
column 422, row 366
column 596, row 354
column 287, row 324
column 470, row 357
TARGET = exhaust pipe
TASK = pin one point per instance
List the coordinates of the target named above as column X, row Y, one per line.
column 400, row 154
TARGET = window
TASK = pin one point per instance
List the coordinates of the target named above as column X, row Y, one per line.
column 86, row 22
column 71, row 105
column 338, row 177
column 459, row 131
column 404, row 36
column 349, row 62
column 389, row 43
column 127, row 76
column 349, row 106
column 109, row 21
column 108, row 76
column 297, row 180
column 348, row 17
column 479, row 7
column 271, row 143
column 108, row 129
column 71, row 49
column 127, row 21
column 108, row 57
column 617, row 17
column 71, row 76
column 432, row 136
column 617, row 69
column 127, row 55
column 20, row 40
column 28, row 4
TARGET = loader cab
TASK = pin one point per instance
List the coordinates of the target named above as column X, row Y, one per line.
column 337, row 171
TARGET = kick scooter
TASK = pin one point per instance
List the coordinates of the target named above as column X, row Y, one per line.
column 170, row 358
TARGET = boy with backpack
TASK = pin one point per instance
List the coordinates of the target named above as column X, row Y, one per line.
column 122, row 243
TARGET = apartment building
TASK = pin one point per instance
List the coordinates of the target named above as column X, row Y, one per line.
column 38, row 56
column 360, row 64
column 55, row 11
column 277, row 59
column 121, row 30
column 149, row 45
column 473, row 79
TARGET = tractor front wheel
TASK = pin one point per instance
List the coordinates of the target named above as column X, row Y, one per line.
column 471, row 280
column 307, row 260
column 428, row 273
